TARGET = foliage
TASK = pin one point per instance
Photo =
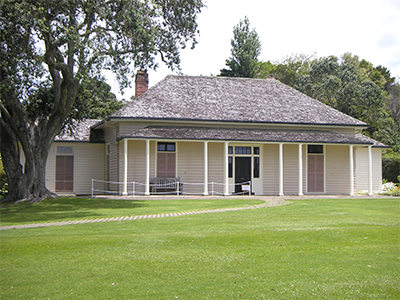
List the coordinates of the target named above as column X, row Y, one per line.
column 288, row 69
column 3, row 179
column 48, row 49
column 396, row 192
column 94, row 100
column 246, row 47
column 310, row 249
column 391, row 165
column 348, row 84
column 387, row 188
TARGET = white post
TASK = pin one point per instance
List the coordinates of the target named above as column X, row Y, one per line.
column 351, row 162
column 125, row 183
column 369, row 170
column 147, row 183
column 226, row 180
column 92, row 187
column 300, row 169
column 281, row 169
column 205, row 193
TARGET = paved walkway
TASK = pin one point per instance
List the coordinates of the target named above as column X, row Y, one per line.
column 271, row 201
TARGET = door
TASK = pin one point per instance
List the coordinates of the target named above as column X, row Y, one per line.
column 64, row 173
column 166, row 165
column 315, row 174
column 242, row 172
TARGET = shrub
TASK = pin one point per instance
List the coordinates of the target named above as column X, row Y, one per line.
column 391, row 166
column 396, row 192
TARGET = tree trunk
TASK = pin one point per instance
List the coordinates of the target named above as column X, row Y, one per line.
column 24, row 183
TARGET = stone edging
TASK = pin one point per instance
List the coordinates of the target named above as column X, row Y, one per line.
column 268, row 203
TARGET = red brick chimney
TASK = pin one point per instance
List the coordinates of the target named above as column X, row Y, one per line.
column 141, row 83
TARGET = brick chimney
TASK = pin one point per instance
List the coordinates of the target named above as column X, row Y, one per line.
column 141, row 83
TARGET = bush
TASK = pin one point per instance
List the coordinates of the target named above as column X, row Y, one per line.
column 3, row 179
column 391, row 166
column 396, row 192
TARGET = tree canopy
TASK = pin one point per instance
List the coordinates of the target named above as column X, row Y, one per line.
column 348, row 84
column 246, row 47
column 50, row 48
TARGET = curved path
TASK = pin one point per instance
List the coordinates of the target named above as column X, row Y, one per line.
column 269, row 202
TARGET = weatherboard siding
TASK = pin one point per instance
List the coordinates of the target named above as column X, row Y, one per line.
column 216, row 167
column 191, row 166
column 87, row 166
column 271, row 169
column 290, row 170
column 126, row 128
column 337, row 170
column 110, row 137
column 361, row 169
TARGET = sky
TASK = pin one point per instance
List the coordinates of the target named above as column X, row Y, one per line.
column 367, row 28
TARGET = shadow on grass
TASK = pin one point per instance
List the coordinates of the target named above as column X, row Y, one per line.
column 64, row 208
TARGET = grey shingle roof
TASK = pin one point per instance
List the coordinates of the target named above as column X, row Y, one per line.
column 260, row 135
column 368, row 140
column 231, row 99
column 81, row 132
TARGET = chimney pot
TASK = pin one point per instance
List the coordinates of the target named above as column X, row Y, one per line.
column 141, row 83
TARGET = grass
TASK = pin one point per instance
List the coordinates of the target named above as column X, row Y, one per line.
column 311, row 249
column 73, row 208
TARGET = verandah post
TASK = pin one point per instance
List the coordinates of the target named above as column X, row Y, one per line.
column 147, row 183
column 205, row 192
column 351, row 163
column 226, row 182
column 125, row 183
column 281, row 169
column 370, row 170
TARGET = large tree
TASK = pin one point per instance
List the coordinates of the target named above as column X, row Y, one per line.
column 64, row 42
column 246, row 47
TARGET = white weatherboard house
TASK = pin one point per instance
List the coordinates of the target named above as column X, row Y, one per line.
column 210, row 133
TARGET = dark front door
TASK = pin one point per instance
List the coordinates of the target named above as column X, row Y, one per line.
column 242, row 172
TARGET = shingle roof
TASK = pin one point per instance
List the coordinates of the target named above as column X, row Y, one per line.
column 231, row 99
column 258, row 135
column 81, row 132
column 368, row 140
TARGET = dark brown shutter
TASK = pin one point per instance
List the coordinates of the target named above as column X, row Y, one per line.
column 315, row 174
column 166, row 165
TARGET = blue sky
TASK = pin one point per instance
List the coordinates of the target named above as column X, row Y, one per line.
column 367, row 28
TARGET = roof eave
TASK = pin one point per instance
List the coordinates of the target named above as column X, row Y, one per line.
column 361, row 126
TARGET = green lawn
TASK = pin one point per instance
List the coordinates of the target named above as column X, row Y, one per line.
column 73, row 208
column 311, row 249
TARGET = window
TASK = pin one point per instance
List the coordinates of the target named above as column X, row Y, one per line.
column 256, row 150
column 230, row 150
column 64, row 150
column 230, row 166
column 170, row 147
column 242, row 150
column 256, row 166
column 315, row 149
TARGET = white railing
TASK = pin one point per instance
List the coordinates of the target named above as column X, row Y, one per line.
column 102, row 187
